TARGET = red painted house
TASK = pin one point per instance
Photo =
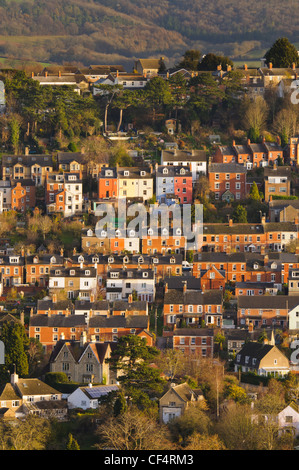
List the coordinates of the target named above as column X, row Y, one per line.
column 108, row 183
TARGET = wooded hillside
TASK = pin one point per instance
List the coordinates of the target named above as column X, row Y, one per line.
column 115, row 31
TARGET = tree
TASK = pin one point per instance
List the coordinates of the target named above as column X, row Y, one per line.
column 255, row 117
column 286, row 124
column 282, row 54
column 31, row 433
column 240, row 215
column 72, row 444
column 131, row 361
column 254, row 193
column 190, row 60
column 194, row 420
column 211, row 61
column 133, row 431
column 204, row 442
column 16, row 344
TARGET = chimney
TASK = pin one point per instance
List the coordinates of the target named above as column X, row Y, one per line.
column 32, row 74
column 248, row 141
column 219, row 67
column 83, row 338
column 130, row 298
column 22, row 317
column 230, row 223
column 49, row 312
column 61, row 252
column 234, row 143
column 250, row 327
column 59, row 74
column 245, row 67
column 91, row 298
column 184, row 286
column 293, row 66
column 270, row 198
column 54, row 298
column 266, row 259
column 14, row 378
column 46, row 74
column 228, row 68
column 270, row 65
column 166, row 288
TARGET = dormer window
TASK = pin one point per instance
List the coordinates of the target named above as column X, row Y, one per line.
column 145, row 274
column 110, row 259
column 126, row 173
column 142, row 173
column 87, row 273
column 81, row 259
column 165, row 171
column 53, row 259
column 72, row 272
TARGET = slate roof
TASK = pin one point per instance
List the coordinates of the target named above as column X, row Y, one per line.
column 57, row 321
column 268, row 301
column 253, row 350
column 227, row 168
column 190, row 297
column 117, row 321
column 183, row 155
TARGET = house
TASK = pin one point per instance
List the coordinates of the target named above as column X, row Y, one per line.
column 194, row 159
column 53, row 306
column 23, row 195
column 176, row 401
column 72, row 162
column 163, row 241
column 266, row 310
column 82, row 361
column 135, row 182
column 75, row 281
column 191, row 307
column 123, row 282
column 148, row 67
column 283, row 210
column 77, row 82
column 5, row 196
column 108, row 183
column 262, row 358
column 49, row 329
column 34, row 167
column 277, row 181
column 38, row 267
column 251, row 154
column 23, row 397
column 227, row 181
column 92, row 307
column 89, row 397
column 110, row 329
column 174, row 183
column 195, row 343
column 64, row 193
column 288, row 419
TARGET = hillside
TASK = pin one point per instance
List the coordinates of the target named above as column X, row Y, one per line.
column 117, row 31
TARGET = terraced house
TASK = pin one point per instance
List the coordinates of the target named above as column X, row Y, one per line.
column 189, row 306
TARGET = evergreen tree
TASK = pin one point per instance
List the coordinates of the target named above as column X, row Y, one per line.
column 72, row 444
column 131, row 360
column 282, row 54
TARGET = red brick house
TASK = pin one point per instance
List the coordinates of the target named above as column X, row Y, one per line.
column 227, row 181
column 194, row 342
column 23, row 195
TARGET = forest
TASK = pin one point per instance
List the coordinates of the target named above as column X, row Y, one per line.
column 98, row 31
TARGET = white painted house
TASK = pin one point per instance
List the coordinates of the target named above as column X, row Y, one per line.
column 288, row 418
column 196, row 159
column 88, row 397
